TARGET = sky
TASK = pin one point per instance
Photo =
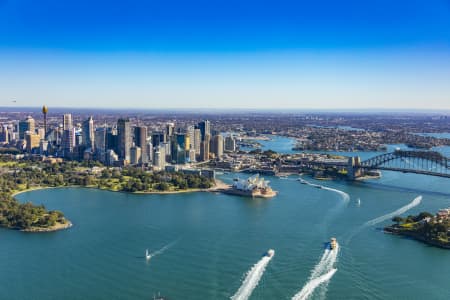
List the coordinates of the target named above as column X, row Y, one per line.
column 379, row 54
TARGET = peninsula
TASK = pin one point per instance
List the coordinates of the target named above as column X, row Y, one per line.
column 425, row 227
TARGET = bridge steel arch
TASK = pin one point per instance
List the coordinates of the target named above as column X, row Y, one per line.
column 418, row 162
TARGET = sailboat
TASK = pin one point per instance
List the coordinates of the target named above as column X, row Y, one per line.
column 147, row 255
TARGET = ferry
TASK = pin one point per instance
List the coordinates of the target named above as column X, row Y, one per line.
column 269, row 253
column 333, row 243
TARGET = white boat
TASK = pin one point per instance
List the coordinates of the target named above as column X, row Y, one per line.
column 358, row 202
column 147, row 255
column 270, row 253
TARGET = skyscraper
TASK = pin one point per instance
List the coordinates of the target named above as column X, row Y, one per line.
column 197, row 140
column 205, row 128
column 68, row 136
column 67, row 122
column 230, row 144
column 26, row 125
column 88, row 133
column 217, row 143
column 124, row 138
column 140, row 139
column 204, row 148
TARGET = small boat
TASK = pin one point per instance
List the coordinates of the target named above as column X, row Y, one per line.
column 358, row 202
column 159, row 297
column 269, row 253
column 318, row 186
column 333, row 243
column 147, row 255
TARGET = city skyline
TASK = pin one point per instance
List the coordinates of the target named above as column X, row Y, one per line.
column 284, row 55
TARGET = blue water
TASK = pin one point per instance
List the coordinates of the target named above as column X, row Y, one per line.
column 211, row 240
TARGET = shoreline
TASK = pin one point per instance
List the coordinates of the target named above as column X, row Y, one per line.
column 218, row 186
column 415, row 236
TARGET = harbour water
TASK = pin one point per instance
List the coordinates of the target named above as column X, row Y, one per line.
column 206, row 244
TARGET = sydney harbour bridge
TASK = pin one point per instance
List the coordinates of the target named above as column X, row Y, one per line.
column 418, row 162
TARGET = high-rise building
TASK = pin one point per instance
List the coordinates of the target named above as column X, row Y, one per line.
column 124, row 138
column 204, row 149
column 135, row 155
column 170, row 129
column 88, row 133
column 159, row 157
column 158, row 138
column 26, row 125
column 205, row 128
column 32, row 140
column 230, row 144
column 217, row 145
column 197, row 141
column 4, row 135
column 67, row 122
column 140, row 139
column 68, row 142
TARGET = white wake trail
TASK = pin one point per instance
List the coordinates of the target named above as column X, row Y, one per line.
column 309, row 288
column 252, row 279
column 344, row 195
column 399, row 211
column 321, row 273
column 163, row 249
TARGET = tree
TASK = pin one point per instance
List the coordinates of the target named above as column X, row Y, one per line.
column 398, row 220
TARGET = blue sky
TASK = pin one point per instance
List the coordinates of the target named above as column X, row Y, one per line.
column 226, row 54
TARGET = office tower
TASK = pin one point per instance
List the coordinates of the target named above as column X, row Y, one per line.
column 45, row 111
column 230, row 144
column 100, row 138
column 32, row 140
column 197, row 141
column 205, row 129
column 124, row 138
column 149, row 147
column 4, row 136
column 111, row 157
column 88, row 133
column 41, row 133
column 67, row 122
column 135, row 155
column 26, row 125
column 140, row 139
column 159, row 157
column 204, row 149
column 158, row 138
column 68, row 135
column 68, row 142
column 43, row 147
column 217, row 145
column 112, row 140
column 170, row 130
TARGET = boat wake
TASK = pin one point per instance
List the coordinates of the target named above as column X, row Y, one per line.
column 344, row 195
column 385, row 217
column 162, row 250
column 399, row 211
column 321, row 274
column 252, row 279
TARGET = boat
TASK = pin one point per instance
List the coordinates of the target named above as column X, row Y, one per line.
column 318, row 186
column 269, row 253
column 333, row 243
column 358, row 202
column 159, row 297
column 147, row 255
